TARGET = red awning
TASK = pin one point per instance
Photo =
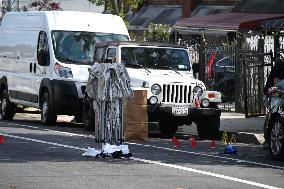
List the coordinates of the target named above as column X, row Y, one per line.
column 229, row 21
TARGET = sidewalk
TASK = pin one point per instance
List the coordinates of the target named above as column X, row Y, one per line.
column 246, row 130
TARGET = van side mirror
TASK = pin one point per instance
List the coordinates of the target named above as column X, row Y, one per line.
column 43, row 58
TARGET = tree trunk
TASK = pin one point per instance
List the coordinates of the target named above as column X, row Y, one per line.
column 115, row 7
column 120, row 6
column 106, row 5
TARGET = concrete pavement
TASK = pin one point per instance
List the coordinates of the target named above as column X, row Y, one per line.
column 246, row 130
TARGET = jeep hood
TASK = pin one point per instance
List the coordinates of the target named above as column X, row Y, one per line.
column 145, row 78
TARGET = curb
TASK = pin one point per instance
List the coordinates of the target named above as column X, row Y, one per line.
column 247, row 138
column 241, row 137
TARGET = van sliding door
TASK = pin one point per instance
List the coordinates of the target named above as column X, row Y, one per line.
column 25, row 45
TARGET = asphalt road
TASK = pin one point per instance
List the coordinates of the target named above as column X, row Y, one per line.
column 35, row 156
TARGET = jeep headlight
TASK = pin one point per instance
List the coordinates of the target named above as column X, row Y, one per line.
column 153, row 100
column 205, row 102
column 197, row 91
column 156, row 89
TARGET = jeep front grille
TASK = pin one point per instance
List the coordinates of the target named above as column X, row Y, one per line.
column 176, row 93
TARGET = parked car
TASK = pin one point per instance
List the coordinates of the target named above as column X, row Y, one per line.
column 224, row 70
column 274, row 125
column 174, row 96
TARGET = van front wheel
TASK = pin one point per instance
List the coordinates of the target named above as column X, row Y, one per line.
column 48, row 117
column 7, row 108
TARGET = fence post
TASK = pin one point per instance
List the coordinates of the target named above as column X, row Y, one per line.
column 202, row 62
column 238, row 75
column 261, row 74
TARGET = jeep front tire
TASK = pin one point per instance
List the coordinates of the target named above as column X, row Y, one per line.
column 208, row 127
column 168, row 128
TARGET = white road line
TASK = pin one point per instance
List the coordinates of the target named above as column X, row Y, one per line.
column 43, row 142
column 208, row 155
column 158, row 147
column 207, row 173
column 61, row 132
column 157, row 163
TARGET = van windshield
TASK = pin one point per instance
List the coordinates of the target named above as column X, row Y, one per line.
column 155, row 58
column 78, row 46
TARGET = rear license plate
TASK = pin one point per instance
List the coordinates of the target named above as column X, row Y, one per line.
column 179, row 111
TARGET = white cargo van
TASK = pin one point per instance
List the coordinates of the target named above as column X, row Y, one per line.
column 44, row 56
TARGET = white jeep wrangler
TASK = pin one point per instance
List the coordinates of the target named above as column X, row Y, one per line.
column 174, row 96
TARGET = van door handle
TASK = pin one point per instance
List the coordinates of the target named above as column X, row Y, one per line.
column 31, row 67
column 34, row 67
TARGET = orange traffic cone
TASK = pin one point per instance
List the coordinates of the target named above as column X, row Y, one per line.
column 1, row 139
column 175, row 142
column 193, row 143
column 213, row 144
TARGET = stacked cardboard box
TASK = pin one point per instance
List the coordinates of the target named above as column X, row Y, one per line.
column 136, row 117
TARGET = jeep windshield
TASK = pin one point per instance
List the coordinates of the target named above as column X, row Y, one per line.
column 155, row 58
column 77, row 47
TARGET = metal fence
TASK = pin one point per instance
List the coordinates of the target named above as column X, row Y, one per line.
column 255, row 63
column 219, row 73
column 238, row 70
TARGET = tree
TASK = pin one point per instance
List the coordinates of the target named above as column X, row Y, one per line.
column 37, row 4
column 158, row 33
column 118, row 7
column 42, row 5
column 8, row 6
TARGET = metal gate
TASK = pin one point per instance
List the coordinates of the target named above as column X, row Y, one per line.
column 253, row 68
column 238, row 69
column 219, row 73
column 216, row 63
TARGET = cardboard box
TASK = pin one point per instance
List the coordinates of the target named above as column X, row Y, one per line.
column 136, row 117
column 134, row 136
column 136, row 127
column 140, row 97
column 135, row 113
column 136, row 131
